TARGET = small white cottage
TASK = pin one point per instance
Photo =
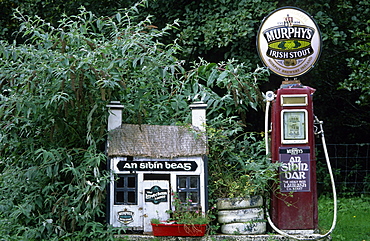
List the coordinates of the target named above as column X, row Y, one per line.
column 149, row 163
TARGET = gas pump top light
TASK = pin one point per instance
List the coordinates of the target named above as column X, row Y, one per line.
column 294, row 100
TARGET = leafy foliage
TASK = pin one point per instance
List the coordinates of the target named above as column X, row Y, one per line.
column 54, row 91
column 217, row 30
column 225, row 29
column 184, row 212
column 360, row 64
column 56, row 81
column 239, row 166
column 52, row 11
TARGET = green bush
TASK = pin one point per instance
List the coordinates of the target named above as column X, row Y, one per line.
column 54, row 92
column 238, row 165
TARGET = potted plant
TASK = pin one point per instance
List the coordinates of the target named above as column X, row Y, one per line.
column 186, row 220
column 240, row 207
column 240, row 176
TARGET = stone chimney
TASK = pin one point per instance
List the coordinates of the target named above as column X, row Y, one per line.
column 115, row 115
column 198, row 118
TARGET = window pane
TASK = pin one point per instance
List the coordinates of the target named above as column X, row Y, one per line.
column 125, row 191
column 182, row 182
column 131, row 182
column 131, row 197
column 120, row 197
column 193, row 182
column 194, row 197
column 120, row 181
column 182, row 196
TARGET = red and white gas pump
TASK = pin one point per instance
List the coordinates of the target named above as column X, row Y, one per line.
column 289, row 44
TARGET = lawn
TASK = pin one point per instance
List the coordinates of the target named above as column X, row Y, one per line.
column 353, row 222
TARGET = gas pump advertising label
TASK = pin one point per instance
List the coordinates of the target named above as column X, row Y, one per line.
column 289, row 42
column 295, row 169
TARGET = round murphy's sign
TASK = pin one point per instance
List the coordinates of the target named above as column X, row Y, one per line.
column 289, row 42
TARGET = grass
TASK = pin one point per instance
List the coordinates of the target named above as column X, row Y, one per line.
column 353, row 221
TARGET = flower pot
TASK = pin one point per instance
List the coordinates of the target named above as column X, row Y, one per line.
column 171, row 229
column 239, row 202
column 241, row 215
column 244, row 228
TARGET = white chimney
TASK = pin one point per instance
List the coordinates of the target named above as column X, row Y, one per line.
column 198, row 113
column 115, row 115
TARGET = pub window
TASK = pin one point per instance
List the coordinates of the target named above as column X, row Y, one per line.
column 188, row 189
column 125, row 190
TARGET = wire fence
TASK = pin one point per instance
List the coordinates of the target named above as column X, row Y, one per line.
column 351, row 168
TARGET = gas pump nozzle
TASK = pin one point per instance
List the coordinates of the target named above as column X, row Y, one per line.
column 320, row 123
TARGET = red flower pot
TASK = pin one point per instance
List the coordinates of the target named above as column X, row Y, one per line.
column 171, row 229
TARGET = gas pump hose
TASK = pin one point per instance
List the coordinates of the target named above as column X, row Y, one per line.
column 331, row 179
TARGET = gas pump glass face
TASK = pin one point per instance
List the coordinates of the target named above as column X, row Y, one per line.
column 294, row 125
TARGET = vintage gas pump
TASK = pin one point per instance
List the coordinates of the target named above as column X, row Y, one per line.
column 294, row 204
column 289, row 44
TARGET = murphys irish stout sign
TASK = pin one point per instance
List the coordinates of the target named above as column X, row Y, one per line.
column 289, row 42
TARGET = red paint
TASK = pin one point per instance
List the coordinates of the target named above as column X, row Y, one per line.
column 298, row 212
column 164, row 229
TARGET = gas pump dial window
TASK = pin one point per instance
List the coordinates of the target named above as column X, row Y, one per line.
column 294, row 100
column 294, row 126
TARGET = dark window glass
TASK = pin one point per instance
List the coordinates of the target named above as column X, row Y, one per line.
column 194, row 182
column 120, row 182
column 131, row 197
column 194, row 197
column 120, row 197
column 131, row 182
column 182, row 196
column 182, row 182
column 188, row 189
column 126, row 189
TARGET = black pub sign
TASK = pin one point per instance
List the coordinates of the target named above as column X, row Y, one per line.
column 157, row 165
column 295, row 169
